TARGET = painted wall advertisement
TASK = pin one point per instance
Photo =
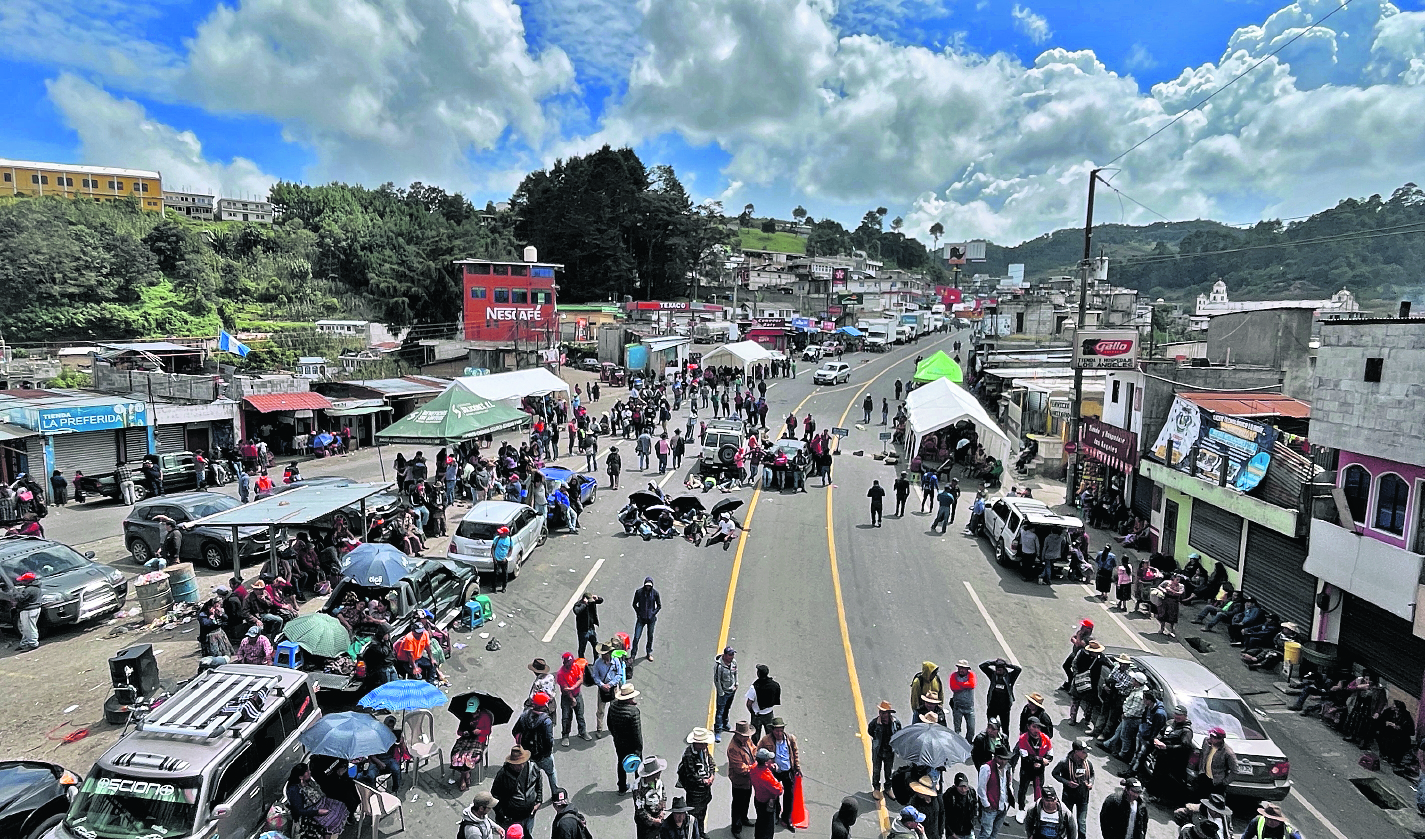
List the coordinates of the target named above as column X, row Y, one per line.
column 1202, row 441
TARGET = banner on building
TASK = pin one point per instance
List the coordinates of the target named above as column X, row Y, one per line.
column 1105, row 349
column 1108, row 444
column 1204, row 441
column 958, row 253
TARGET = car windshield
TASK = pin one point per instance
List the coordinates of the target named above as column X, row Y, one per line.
column 209, row 507
column 1231, row 715
column 111, row 806
column 45, row 562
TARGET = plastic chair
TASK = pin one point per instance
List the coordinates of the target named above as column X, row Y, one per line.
column 377, row 805
column 288, row 655
column 487, row 609
column 420, row 742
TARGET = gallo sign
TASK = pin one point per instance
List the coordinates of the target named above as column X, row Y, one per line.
column 1106, row 349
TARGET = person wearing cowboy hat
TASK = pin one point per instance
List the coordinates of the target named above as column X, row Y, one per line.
column 1084, row 667
column 1124, row 814
column 987, row 742
column 1210, row 809
column 930, row 707
column 767, row 793
column 476, row 821
column 883, row 758
column 682, row 822
column 1114, row 685
column 535, row 731
column 626, row 729
column 1035, row 752
column 962, row 696
column 544, row 681
column 741, row 761
column 1201, row 830
column 926, row 799
column 500, row 548
column 27, row 604
column 1076, row 773
column 608, row 675
column 696, row 772
column 518, row 789
column 1034, row 710
column 649, row 797
column 1048, row 819
column 1270, row 823
column 786, row 762
column 1173, row 747
column 995, row 792
column 1001, row 675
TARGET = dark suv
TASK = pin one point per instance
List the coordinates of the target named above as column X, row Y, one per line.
column 210, row 547
column 73, row 587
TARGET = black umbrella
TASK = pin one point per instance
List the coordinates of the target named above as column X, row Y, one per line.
column 659, row 508
column 686, row 503
column 930, row 744
column 644, row 500
column 499, row 709
column 727, row 505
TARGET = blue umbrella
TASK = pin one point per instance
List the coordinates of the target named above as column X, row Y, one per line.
column 348, row 735
column 375, row 564
column 404, row 695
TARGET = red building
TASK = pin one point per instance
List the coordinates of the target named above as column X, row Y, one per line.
column 509, row 301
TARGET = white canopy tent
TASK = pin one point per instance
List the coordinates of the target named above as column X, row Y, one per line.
column 942, row 403
column 513, row 386
column 742, row 354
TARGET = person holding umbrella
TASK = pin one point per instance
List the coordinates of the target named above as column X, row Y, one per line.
column 471, row 739
column 927, row 801
column 317, row 816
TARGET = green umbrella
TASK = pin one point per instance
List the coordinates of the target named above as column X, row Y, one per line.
column 319, row 634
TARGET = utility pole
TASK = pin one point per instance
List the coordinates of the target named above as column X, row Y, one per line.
column 1075, row 415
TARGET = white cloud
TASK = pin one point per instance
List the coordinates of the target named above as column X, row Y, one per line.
column 118, row 131
column 599, row 36
column 101, row 36
column 1139, row 58
column 1031, row 25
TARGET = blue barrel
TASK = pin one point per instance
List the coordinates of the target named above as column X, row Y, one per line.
column 182, row 583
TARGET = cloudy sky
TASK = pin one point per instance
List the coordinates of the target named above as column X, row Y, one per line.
column 981, row 114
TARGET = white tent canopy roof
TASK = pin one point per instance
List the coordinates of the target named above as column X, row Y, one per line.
column 739, row 354
column 942, row 403
column 517, row 384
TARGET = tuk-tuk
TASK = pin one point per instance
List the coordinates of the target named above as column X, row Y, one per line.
column 612, row 374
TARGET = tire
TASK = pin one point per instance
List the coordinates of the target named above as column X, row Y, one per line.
column 140, row 492
column 543, row 536
column 215, row 556
column 727, row 454
column 140, row 550
column 593, row 496
column 515, row 566
column 46, row 826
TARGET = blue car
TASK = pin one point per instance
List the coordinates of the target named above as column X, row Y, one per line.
column 586, row 487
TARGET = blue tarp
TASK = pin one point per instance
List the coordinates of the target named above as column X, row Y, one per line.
column 850, row 330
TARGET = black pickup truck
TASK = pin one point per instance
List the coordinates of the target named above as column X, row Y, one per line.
column 178, row 476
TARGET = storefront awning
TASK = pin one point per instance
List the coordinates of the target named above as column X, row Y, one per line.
column 850, row 330
column 266, row 403
column 357, row 412
column 1110, row 445
column 11, row 432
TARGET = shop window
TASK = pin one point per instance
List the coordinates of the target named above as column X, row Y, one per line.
column 502, row 295
column 521, row 295
column 539, row 271
column 1374, row 367
column 1392, row 498
column 477, row 292
column 8, row 178
column 1356, row 484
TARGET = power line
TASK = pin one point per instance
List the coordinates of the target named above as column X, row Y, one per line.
column 1175, row 120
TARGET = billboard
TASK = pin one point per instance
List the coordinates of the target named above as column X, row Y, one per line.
column 1203, row 441
column 958, row 253
column 1105, row 349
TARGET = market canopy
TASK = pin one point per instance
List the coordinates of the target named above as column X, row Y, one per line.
column 938, row 366
column 741, row 355
column 853, row 332
column 940, row 404
column 451, row 417
column 516, row 384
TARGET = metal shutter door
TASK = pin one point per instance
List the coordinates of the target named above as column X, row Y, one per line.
column 93, row 452
column 170, row 439
column 135, row 444
column 1217, row 532
column 1273, row 574
column 1142, row 496
column 1383, row 642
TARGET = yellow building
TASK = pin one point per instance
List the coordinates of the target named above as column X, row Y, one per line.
column 102, row 183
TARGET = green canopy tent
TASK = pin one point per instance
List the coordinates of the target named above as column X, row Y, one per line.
column 938, row 366
column 451, row 417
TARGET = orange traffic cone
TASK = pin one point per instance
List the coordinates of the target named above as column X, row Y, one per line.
column 799, row 806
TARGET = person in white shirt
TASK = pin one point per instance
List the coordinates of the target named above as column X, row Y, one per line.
column 996, row 794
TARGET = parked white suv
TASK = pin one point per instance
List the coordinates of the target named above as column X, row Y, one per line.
column 1007, row 517
column 718, row 453
column 471, row 542
column 832, row 373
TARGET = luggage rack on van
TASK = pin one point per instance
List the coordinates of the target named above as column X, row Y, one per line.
column 211, row 705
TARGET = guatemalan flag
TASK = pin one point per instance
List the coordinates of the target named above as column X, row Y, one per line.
column 228, row 343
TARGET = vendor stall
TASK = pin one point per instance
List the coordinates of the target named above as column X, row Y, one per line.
column 741, row 355
column 453, row 417
column 940, row 404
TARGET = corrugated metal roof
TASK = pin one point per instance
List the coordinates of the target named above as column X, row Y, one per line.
column 295, row 506
column 399, row 387
column 301, row 401
column 1250, row 404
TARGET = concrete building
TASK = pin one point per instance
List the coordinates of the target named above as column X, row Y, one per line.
column 1279, row 338
column 68, row 180
column 369, row 332
column 191, row 204
column 1342, row 304
column 245, row 209
column 1368, row 539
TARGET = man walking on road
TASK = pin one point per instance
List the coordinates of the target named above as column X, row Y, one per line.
column 626, row 726
column 741, row 761
column 725, row 684
column 902, row 490
column 946, row 514
column 883, row 758
column 646, row 606
column 534, row 731
column 996, row 794
column 570, row 679
column 764, row 696
column 586, row 622
column 878, row 501
column 868, row 405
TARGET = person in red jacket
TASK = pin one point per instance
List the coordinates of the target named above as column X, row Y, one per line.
column 962, row 696
column 766, row 795
column 1035, row 753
